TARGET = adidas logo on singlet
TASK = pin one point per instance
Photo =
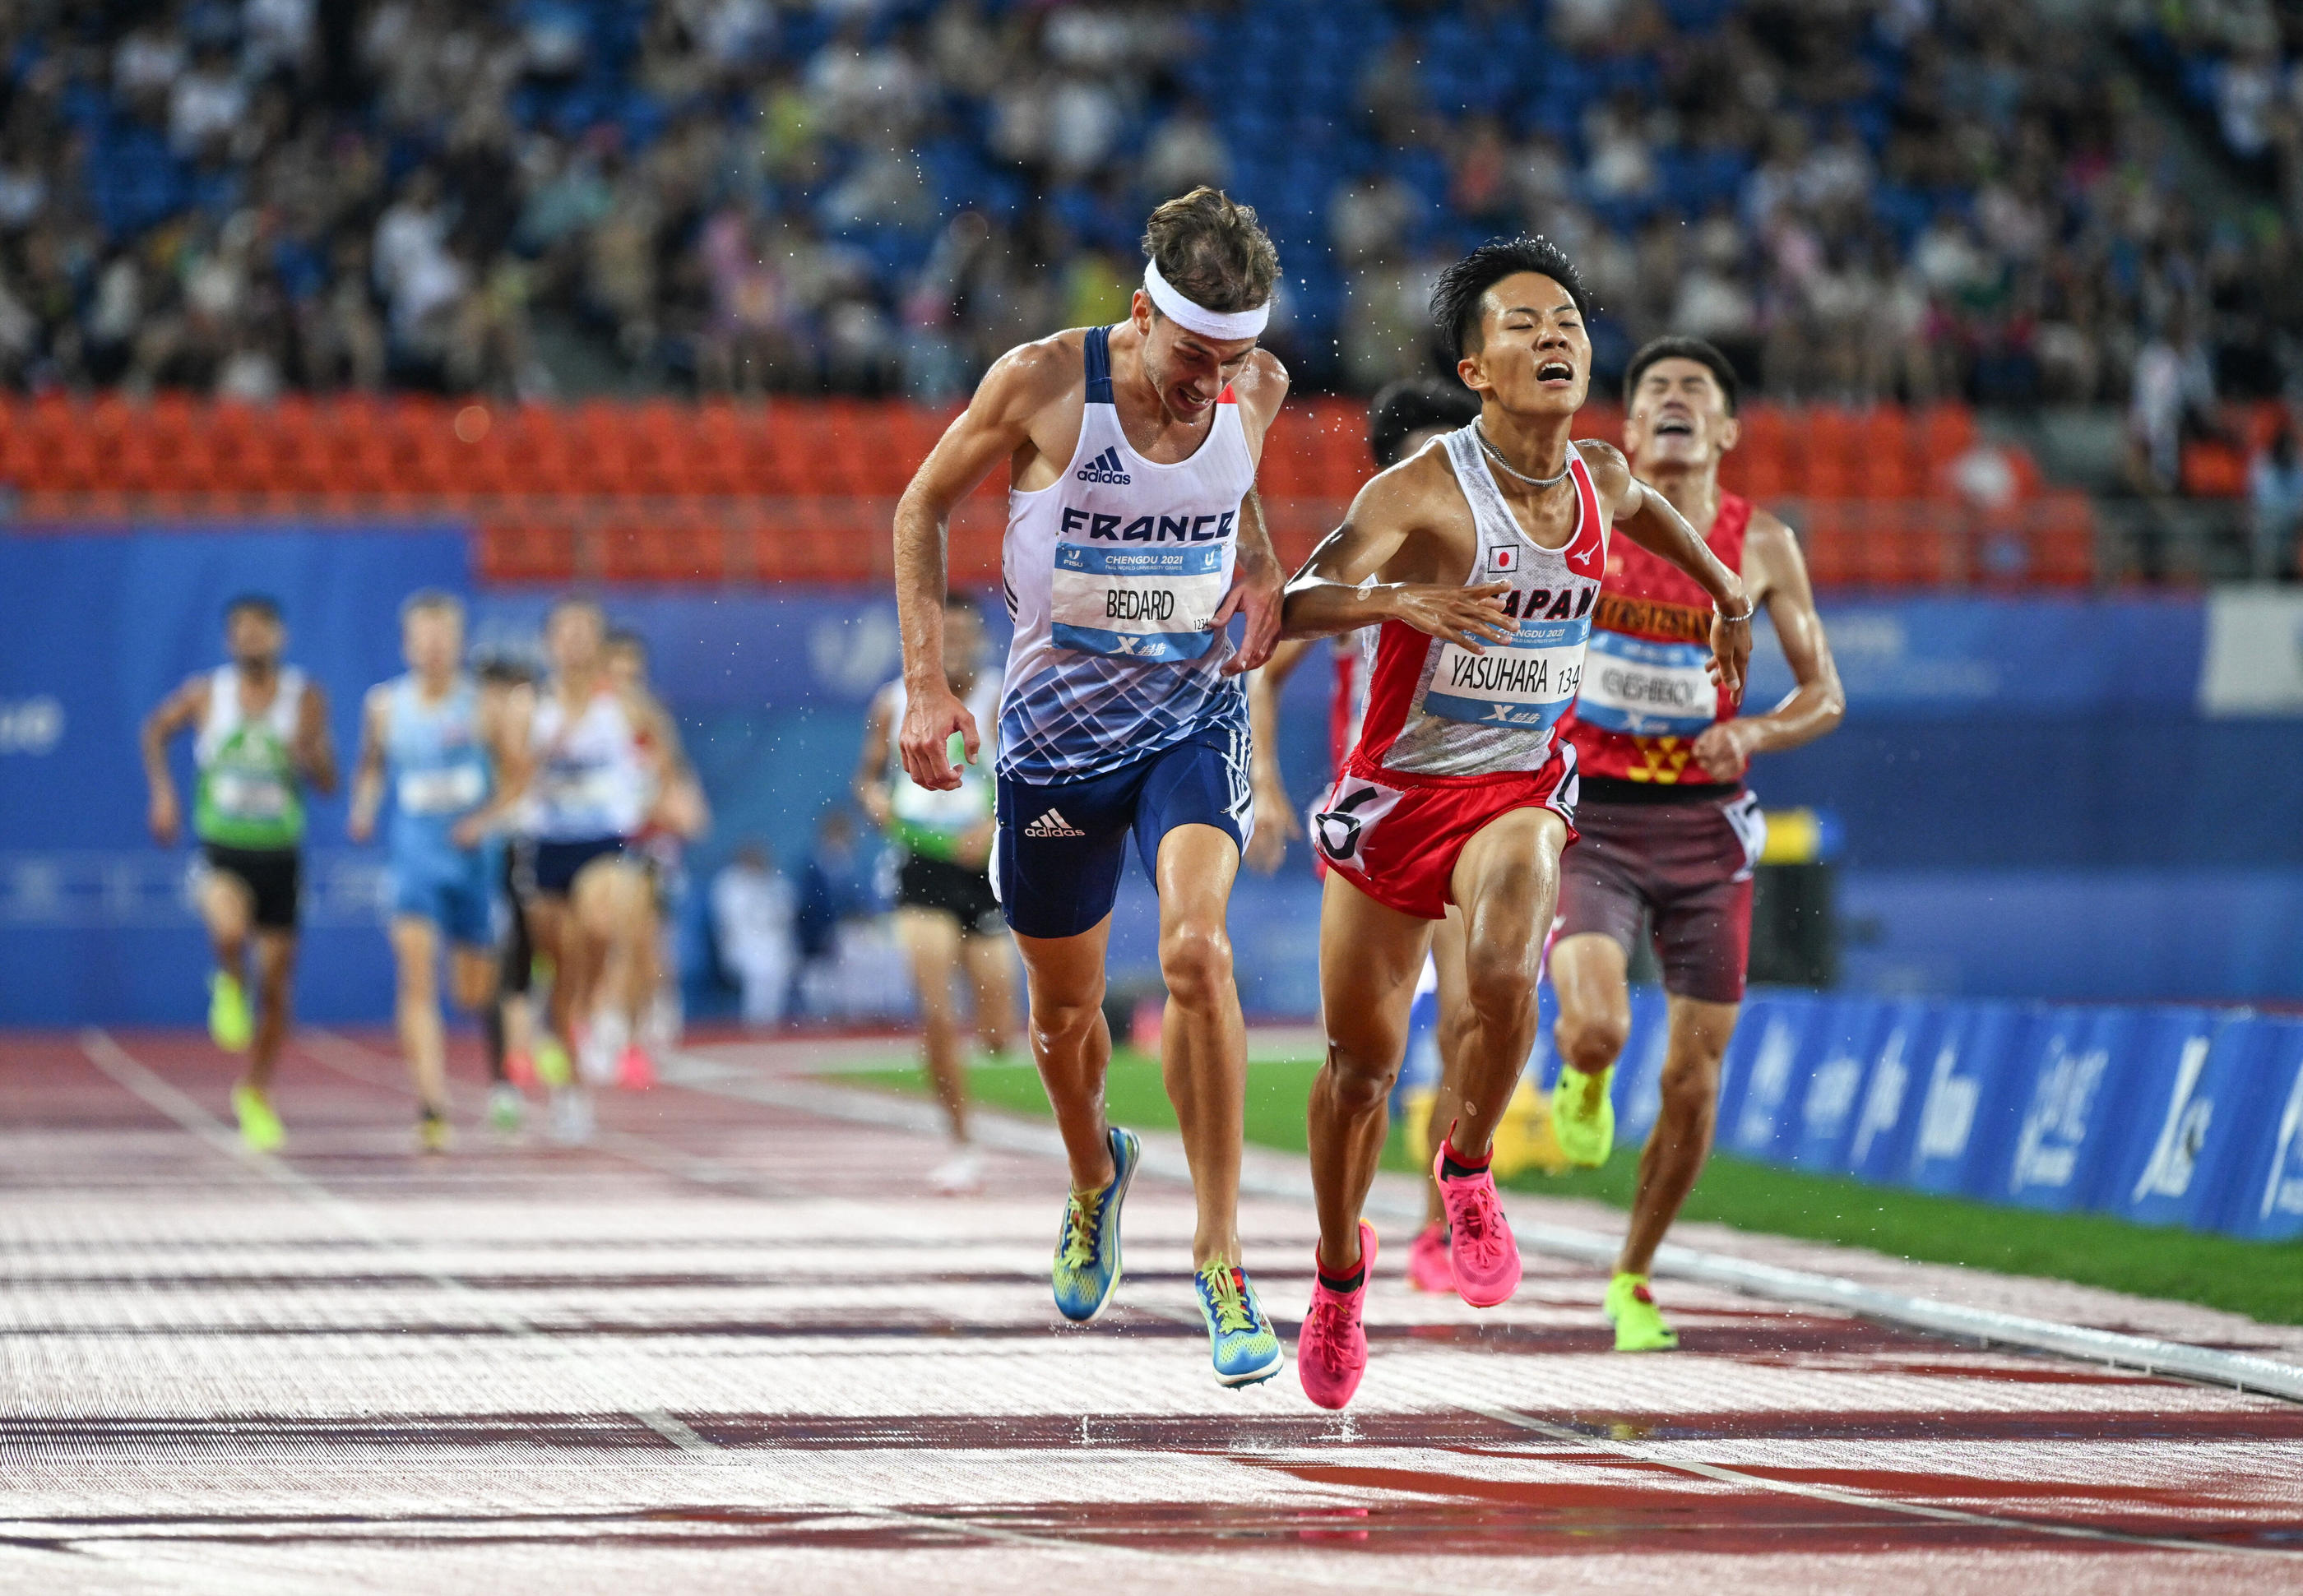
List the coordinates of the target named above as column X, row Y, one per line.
column 1052, row 824
column 1105, row 467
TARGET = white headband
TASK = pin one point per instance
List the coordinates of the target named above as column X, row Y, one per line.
column 1198, row 318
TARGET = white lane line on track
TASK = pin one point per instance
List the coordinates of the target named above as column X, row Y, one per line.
column 1265, row 1174
column 1725, row 1475
column 1033, row 1138
column 369, row 1067
column 124, row 1070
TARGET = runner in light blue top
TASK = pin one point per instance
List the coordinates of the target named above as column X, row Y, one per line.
column 436, row 741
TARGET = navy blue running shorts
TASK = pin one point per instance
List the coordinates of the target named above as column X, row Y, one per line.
column 1056, row 861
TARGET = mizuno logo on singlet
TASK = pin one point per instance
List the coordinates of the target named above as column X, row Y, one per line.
column 1052, row 824
column 1106, row 467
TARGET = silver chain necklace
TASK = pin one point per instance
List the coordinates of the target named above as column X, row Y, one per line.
column 1496, row 456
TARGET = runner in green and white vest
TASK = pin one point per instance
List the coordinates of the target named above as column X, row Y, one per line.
column 947, row 914
column 261, row 738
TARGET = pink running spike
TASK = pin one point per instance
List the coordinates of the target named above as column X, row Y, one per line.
column 635, row 1070
column 1479, row 1249
column 1428, row 1269
column 1331, row 1352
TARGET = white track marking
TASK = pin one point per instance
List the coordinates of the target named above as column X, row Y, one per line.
column 1287, row 1180
column 108, row 1057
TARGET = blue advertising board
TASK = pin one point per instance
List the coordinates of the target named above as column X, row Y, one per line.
column 94, row 919
column 2176, row 1116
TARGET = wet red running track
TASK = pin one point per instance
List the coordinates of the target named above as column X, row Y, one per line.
column 732, row 1346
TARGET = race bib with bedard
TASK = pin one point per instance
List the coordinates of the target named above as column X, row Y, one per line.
column 1138, row 603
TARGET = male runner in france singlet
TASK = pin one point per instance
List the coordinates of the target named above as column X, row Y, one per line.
column 1669, row 832
column 1403, row 419
column 1481, row 560
column 261, row 739
column 1133, row 537
column 435, row 741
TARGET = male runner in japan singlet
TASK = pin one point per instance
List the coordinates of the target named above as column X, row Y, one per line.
column 1669, row 833
column 1134, row 536
column 261, row 739
column 1405, row 418
column 1480, row 558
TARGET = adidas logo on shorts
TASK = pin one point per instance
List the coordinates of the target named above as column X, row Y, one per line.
column 1106, row 467
column 1052, row 824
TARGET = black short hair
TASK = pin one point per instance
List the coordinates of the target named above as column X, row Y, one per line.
column 955, row 598
column 1703, row 352
column 1412, row 405
column 1455, row 300
column 263, row 604
column 502, row 668
column 624, row 637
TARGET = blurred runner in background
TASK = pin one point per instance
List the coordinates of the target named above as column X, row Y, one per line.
column 261, row 737
column 946, row 916
column 439, row 741
column 678, row 814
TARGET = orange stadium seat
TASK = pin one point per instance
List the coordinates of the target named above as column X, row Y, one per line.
column 527, row 551
column 2213, row 469
column 663, row 551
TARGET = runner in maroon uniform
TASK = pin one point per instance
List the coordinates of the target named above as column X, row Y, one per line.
column 1668, row 830
column 1404, row 417
column 1480, row 558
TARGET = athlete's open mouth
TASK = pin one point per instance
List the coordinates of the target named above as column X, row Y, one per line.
column 1555, row 371
column 1675, row 426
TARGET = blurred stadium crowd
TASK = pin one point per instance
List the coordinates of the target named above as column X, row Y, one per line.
column 1861, row 199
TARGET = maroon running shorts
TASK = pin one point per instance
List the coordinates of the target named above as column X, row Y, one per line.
column 1688, row 865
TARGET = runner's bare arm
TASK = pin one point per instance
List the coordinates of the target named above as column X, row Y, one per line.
column 1649, row 520
column 1275, row 811
column 1338, row 591
column 1256, row 590
column 996, row 426
column 186, row 706
column 1775, row 574
column 870, row 782
column 680, row 805
column 505, row 715
column 367, row 769
column 316, row 750
column 1257, row 580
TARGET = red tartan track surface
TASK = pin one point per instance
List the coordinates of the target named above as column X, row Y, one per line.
column 733, row 1345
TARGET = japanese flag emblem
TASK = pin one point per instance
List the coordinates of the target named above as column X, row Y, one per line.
column 1503, row 559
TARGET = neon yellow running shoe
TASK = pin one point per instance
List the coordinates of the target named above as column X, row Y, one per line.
column 260, row 1127
column 432, row 1132
column 230, row 1024
column 1583, row 1116
column 552, row 1065
column 1639, row 1326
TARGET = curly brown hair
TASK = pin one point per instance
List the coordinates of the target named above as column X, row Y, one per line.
column 1212, row 250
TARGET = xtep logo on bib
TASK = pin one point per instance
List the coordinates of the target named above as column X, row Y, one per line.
column 1052, row 824
column 1105, row 467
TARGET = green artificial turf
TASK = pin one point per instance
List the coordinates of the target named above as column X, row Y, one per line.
column 2262, row 1280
